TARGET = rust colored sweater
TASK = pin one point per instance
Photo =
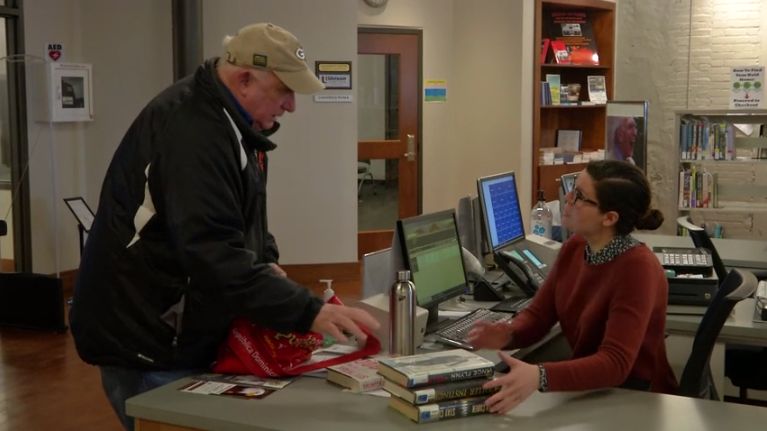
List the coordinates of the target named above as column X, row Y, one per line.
column 613, row 316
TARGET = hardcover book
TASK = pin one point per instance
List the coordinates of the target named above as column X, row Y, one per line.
column 435, row 367
column 573, row 29
column 561, row 55
column 358, row 376
column 442, row 392
column 597, row 88
column 439, row 411
column 544, row 49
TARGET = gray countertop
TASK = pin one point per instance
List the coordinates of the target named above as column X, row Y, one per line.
column 310, row 403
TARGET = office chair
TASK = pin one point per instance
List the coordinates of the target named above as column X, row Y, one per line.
column 363, row 173
column 696, row 378
column 745, row 366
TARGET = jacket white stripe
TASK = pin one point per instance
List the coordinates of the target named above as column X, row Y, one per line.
column 243, row 156
column 145, row 211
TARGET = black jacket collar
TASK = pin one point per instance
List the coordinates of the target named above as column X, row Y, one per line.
column 207, row 77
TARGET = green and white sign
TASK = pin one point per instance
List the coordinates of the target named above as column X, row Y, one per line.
column 747, row 87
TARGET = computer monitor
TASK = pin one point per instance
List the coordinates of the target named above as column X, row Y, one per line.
column 499, row 204
column 566, row 185
column 431, row 250
column 567, row 182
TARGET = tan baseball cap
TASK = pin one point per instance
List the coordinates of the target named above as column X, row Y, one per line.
column 268, row 46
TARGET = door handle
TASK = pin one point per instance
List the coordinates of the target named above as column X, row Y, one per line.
column 410, row 155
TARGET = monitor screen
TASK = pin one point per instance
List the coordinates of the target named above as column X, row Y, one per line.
column 499, row 203
column 567, row 182
column 432, row 252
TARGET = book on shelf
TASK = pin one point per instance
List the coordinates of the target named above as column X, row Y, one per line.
column 544, row 49
column 597, row 88
column 561, row 55
column 555, row 88
column 358, row 376
column 697, row 189
column 435, row 367
column 439, row 411
column 701, row 139
column 569, row 140
column 572, row 28
column 441, row 392
column 545, row 94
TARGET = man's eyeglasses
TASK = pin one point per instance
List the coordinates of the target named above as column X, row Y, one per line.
column 578, row 196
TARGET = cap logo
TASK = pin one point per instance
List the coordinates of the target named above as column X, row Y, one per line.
column 259, row 60
column 300, row 54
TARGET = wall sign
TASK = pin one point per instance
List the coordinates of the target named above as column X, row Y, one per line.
column 336, row 75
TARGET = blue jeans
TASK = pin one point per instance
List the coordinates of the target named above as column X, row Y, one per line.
column 122, row 383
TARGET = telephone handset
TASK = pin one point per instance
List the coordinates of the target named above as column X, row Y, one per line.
column 519, row 271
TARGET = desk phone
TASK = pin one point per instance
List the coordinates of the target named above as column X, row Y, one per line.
column 686, row 260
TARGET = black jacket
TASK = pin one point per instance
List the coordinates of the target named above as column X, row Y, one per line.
column 180, row 245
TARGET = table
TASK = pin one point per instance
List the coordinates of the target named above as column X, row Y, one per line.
column 313, row 404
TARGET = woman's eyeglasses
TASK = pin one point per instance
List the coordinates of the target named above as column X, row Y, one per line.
column 578, row 196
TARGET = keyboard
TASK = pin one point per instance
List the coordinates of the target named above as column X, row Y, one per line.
column 513, row 305
column 454, row 334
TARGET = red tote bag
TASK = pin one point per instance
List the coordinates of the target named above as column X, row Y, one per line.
column 252, row 349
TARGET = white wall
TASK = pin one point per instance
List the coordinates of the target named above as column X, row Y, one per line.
column 44, row 22
column 477, row 47
column 677, row 55
column 130, row 64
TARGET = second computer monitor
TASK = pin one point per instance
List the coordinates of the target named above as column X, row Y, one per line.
column 499, row 203
column 432, row 252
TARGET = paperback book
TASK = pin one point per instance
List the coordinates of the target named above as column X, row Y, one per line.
column 573, row 29
column 358, row 376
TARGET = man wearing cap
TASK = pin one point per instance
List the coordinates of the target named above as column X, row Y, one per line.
column 180, row 246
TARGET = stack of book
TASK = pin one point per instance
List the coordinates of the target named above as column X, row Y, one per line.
column 357, row 376
column 437, row 385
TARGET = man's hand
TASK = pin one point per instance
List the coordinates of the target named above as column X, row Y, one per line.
column 277, row 270
column 337, row 319
column 516, row 386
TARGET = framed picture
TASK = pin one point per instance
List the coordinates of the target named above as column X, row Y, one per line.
column 81, row 211
column 70, row 92
column 626, row 132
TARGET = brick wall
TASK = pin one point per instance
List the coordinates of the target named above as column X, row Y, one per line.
column 677, row 54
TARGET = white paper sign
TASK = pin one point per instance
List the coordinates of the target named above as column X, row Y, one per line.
column 747, row 87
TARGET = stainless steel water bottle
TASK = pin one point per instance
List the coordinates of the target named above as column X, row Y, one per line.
column 402, row 316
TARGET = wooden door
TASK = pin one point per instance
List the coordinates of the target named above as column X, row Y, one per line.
column 388, row 151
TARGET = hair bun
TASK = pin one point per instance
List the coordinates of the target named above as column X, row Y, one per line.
column 651, row 220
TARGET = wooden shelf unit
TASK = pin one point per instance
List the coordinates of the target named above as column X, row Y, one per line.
column 590, row 118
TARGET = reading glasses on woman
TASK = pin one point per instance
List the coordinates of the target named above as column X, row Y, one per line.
column 577, row 195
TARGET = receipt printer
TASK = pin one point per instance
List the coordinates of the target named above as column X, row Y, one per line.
column 378, row 307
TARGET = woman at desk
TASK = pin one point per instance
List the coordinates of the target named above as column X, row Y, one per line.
column 606, row 289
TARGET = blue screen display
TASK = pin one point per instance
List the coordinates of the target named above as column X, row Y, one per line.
column 500, row 207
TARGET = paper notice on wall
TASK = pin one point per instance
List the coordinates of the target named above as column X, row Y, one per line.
column 435, row 91
column 747, row 87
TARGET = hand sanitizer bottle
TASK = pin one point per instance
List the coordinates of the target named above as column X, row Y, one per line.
column 541, row 217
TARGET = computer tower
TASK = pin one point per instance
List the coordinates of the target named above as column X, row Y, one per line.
column 32, row 301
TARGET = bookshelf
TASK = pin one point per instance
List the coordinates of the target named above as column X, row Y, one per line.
column 722, row 170
column 547, row 119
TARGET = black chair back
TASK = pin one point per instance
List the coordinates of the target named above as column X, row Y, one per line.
column 696, row 377
column 701, row 240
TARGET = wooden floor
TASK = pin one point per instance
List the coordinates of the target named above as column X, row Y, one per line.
column 45, row 386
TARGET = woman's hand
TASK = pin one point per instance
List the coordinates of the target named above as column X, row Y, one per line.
column 516, row 386
column 490, row 335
